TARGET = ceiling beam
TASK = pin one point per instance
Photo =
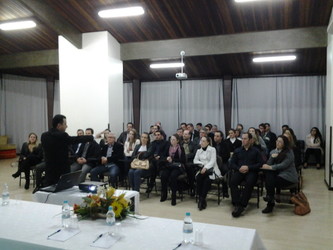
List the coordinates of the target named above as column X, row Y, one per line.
column 30, row 59
column 53, row 20
column 213, row 45
column 277, row 40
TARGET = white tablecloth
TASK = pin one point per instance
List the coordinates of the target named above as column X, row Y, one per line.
column 74, row 196
column 26, row 225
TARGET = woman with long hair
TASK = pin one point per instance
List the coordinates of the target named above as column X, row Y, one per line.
column 206, row 158
column 143, row 151
column 280, row 171
column 172, row 168
column 313, row 146
column 30, row 155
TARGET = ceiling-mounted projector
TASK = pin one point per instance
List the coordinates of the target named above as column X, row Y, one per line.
column 181, row 75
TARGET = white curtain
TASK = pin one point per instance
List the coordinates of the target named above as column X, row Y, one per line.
column 202, row 101
column 23, row 107
column 128, row 102
column 296, row 101
column 160, row 102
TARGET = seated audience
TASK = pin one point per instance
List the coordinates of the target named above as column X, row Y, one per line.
column 269, row 137
column 143, row 151
column 129, row 146
column 172, row 168
column 30, row 155
column 103, row 141
column 87, row 158
column 111, row 155
column 124, row 135
column 206, row 158
column 289, row 133
column 160, row 149
column 313, row 146
column 233, row 142
column 281, row 171
column 245, row 163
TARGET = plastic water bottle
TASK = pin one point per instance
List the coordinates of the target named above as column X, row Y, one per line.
column 188, row 229
column 5, row 195
column 66, row 215
column 111, row 221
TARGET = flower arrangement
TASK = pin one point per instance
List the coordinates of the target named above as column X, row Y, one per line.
column 95, row 206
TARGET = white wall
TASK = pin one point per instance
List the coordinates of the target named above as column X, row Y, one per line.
column 91, row 82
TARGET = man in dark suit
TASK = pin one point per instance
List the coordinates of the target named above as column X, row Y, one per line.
column 112, row 154
column 194, row 133
column 87, row 157
column 123, row 136
column 55, row 144
column 160, row 151
column 223, row 151
column 269, row 138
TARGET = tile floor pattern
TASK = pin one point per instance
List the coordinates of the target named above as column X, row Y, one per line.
column 280, row 230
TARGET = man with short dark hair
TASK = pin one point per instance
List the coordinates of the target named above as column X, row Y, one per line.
column 245, row 163
column 194, row 133
column 269, row 137
column 55, row 144
column 87, row 157
column 123, row 136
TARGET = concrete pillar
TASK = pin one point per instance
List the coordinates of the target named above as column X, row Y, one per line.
column 91, row 83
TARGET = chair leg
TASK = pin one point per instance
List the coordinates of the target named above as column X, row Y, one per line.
column 258, row 196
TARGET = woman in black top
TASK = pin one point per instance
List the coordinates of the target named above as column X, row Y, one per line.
column 31, row 154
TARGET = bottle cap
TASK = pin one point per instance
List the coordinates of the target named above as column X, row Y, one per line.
column 65, row 201
column 188, row 214
column 110, row 208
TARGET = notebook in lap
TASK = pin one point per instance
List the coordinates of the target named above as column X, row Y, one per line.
column 66, row 181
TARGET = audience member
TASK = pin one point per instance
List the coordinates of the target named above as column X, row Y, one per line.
column 87, row 158
column 111, row 155
column 232, row 141
column 124, row 135
column 129, row 146
column 160, row 149
column 245, row 162
column 284, row 128
column 143, row 151
column 269, row 137
column 281, row 171
column 172, row 168
column 206, row 158
column 313, row 145
column 30, row 155
column 103, row 141
column 55, row 143
column 194, row 134
column 198, row 127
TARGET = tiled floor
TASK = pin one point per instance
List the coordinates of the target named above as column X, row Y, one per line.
column 280, row 230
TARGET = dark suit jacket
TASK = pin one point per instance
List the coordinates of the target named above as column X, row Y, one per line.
column 160, row 148
column 117, row 153
column 93, row 155
column 122, row 137
column 193, row 149
column 222, row 149
column 55, row 146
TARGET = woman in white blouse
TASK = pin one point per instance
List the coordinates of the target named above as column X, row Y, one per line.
column 313, row 145
column 206, row 158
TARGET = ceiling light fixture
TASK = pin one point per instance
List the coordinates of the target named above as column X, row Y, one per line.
column 166, row 65
column 18, row 25
column 274, row 58
column 121, row 12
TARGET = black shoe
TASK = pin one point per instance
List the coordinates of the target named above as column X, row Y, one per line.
column 200, row 204
column 225, row 195
column 27, row 185
column 163, row 197
column 173, row 201
column 268, row 209
column 17, row 174
column 149, row 189
column 204, row 204
column 237, row 211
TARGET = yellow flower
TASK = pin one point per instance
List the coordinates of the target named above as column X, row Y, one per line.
column 110, row 192
column 123, row 202
column 117, row 208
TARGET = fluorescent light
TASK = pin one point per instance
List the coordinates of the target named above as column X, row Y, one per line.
column 18, row 25
column 274, row 58
column 244, row 1
column 166, row 65
column 121, row 12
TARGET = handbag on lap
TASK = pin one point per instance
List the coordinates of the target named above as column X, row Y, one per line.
column 140, row 164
